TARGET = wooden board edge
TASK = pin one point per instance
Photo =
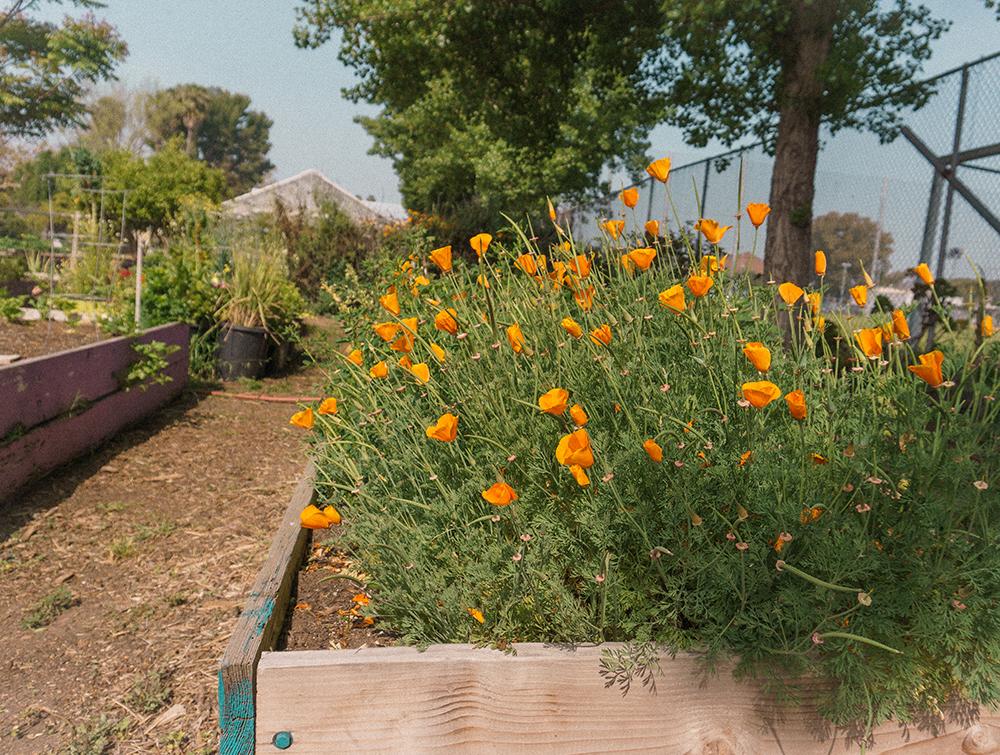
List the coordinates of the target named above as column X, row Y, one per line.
column 260, row 624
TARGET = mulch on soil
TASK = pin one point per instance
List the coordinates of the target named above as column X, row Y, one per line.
column 33, row 339
column 122, row 575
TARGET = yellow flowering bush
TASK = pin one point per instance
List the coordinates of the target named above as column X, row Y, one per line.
column 601, row 446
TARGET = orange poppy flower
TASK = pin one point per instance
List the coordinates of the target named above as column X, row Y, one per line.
column 796, row 401
column 390, row 301
column 818, row 459
column 303, row 419
column 745, row 458
column 578, row 415
column 516, row 338
column 386, row 330
column 759, row 355
column 438, row 352
column 580, row 265
column 379, row 370
column 601, row 334
column 442, row 258
column 819, row 263
column 859, row 294
column 407, row 332
column 711, row 230
column 552, row 210
column 579, row 475
column 613, row 227
column 899, row 325
column 870, row 341
column 929, row 369
column 790, row 293
column 356, row 357
column 527, row 263
column 405, row 362
column 820, row 323
column 761, row 393
column 444, row 429
column 652, row 228
column 924, row 273
column 585, row 298
column 653, row 450
column 480, row 243
column 500, row 494
column 572, row 327
column 445, row 320
column 629, row 197
column 554, row 402
column 421, row 372
column 673, row 298
column 710, row 264
column 758, row 212
column 642, row 258
column 628, row 264
column 575, row 448
column 699, row 285
column 313, row 518
column 558, row 274
column 476, row 614
column 659, row 169
column 810, row 515
column 327, row 406
column 815, row 300
column 986, row 326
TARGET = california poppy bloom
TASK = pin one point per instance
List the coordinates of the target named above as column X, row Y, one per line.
column 575, row 448
column 924, row 273
column 653, row 450
column 356, row 357
column 407, row 332
column 652, row 227
column 480, row 243
column 554, row 402
column 314, row 518
column 673, row 298
column 386, row 330
column 527, row 263
column 442, row 258
column 819, row 263
column 642, row 258
column 613, row 227
column 516, row 338
column 444, row 429
column 759, row 355
column 819, row 459
column 699, row 285
column 744, row 460
column 761, row 393
column 585, row 298
column 438, row 352
column 379, row 370
column 758, row 212
column 579, row 475
column 303, row 419
column 710, row 264
column 327, row 406
column 580, row 265
column 628, row 264
column 476, row 614
column 601, row 334
column 390, row 301
column 796, row 401
column 870, row 341
column 629, row 197
column 929, row 369
column 790, row 293
column 659, row 169
column 558, row 274
column 552, row 210
column 986, row 326
column 445, row 320
column 500, row 494
column 421, row 372
column 899, row 325
column 578, row 415
column 711, row 230
column 572, row 327
column 859, row 294
column 815, row 300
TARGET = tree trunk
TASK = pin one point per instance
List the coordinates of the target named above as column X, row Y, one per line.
column 787, row 252
column 192, row 121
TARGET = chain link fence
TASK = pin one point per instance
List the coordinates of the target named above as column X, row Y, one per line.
column 887, row 205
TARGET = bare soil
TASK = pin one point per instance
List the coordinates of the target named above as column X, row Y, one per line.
column 34, row 339
column 122, row 575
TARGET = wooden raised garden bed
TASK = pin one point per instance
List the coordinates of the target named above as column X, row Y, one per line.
column 55, row 407
column 541, row 698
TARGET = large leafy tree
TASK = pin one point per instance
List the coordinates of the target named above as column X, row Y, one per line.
column 848, row 239
column 778, row 70
column 218, row 127
column 488, row 106
column 46, row 69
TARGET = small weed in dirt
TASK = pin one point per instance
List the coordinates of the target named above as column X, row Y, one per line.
column 112, row 507
column 176, row 599
column 148, row 532
column 150, row 692
column 250, row 384
column 97, row 735
column 122, row 547
column 45, row 611
column 28, row 718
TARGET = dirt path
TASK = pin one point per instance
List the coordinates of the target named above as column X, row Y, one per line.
column 121, row 576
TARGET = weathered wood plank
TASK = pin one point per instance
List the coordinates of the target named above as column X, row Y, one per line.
column 260, row 624
column 543, row 699
column 33, row 391
column 58, row 441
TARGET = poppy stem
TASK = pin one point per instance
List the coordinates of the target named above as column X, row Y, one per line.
column 814, row 580
column 859, row 638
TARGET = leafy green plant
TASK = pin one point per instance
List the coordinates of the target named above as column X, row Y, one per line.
column 258, row 291
column 10, row 307
column 48, row 608
column 150, row 366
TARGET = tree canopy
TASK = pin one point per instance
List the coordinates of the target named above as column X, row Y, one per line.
column 493, row 106
column 46, row 70
column 849, row 238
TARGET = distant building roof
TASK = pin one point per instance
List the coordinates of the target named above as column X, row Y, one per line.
column 748, row 263
column 307, row 192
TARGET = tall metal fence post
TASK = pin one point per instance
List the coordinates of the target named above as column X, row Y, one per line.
column 953, row 167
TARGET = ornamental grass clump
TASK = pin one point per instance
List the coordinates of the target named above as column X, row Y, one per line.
column 606, row 447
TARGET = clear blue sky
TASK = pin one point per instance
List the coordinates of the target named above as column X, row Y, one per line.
column 246, row 46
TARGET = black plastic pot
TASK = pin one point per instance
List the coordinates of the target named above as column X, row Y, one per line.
column 243, row 352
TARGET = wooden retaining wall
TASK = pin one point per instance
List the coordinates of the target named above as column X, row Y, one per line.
column 56, row 407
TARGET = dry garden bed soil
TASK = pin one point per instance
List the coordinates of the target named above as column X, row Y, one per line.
column 35, row 339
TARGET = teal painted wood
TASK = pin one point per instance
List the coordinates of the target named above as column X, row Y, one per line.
column 260, row 625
